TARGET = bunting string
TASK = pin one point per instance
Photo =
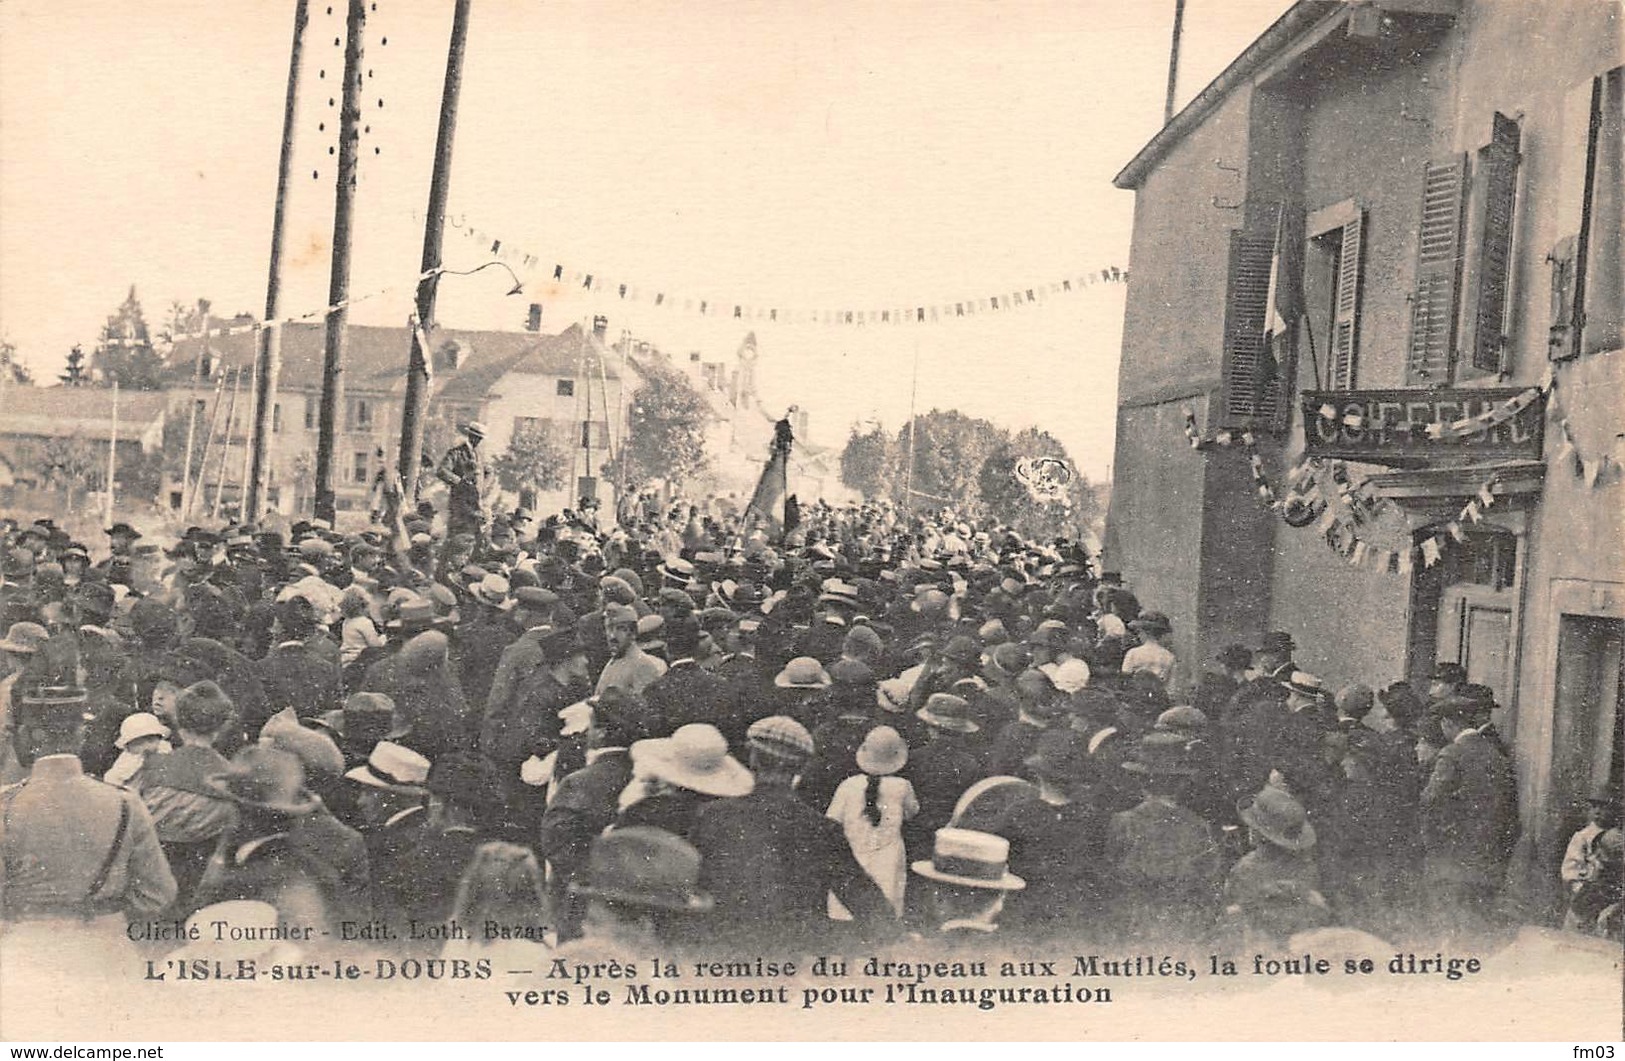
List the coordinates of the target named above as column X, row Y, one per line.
column 987, row 300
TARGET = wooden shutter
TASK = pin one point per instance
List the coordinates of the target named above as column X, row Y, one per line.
column 1577, row 154
column 1346, row 322
column 1498, row 182
column 1438, row 275
column 1249, row 394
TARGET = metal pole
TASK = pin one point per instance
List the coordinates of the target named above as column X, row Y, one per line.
column 112, row 454
column 225, row 443
column 417, row 372
column 338, row 288
column 270, row 348
column 191, row 414
column 1173, row 61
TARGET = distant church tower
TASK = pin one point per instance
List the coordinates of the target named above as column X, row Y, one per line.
column 745, row 374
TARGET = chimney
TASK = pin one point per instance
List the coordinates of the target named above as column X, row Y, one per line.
column 533, row 322
column 600, row 327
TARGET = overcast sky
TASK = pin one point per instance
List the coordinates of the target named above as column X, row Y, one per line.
column 826, row 155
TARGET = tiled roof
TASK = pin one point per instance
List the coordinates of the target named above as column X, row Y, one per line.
column 61, row 412
column 375, row 357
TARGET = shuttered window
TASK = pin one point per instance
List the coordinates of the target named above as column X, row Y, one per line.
column 1498, row 187
column 1588, row 309
column 1252, row 383
column 1346, row 304
column 1431, row 353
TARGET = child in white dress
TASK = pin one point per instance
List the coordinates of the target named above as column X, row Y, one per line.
column 872, row 807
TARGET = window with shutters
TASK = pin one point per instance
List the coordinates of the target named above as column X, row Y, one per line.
column 1431, row 353
column 1333, row 274
column 1496, row 180
column 1587, row 286
column 1252, row 375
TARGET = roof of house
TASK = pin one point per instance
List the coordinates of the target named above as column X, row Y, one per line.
column 376, row 357
column 1278, row 39
column 63, row 412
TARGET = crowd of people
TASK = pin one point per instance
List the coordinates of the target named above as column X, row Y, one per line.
column 550, row 737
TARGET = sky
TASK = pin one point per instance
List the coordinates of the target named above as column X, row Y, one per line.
column 834, row 155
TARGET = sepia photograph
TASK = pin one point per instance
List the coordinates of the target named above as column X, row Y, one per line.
column 739, row 520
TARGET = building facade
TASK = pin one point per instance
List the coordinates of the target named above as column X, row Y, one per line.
column 1377, row 276
column 509, row 381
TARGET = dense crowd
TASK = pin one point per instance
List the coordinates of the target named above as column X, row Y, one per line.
column 556, row 737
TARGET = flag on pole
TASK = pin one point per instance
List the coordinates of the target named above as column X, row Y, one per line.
column 769, row 503
column 1274, row 353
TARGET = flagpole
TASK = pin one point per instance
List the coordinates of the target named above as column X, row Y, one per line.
column 913, row 393
column 112, row 453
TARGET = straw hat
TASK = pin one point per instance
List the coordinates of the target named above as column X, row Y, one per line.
column 394, row 768
column 970, row 859
column 882, row 752
column 695, row 757
column 803, row 672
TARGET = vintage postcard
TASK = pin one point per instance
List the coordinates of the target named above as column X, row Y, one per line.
column 843, row 521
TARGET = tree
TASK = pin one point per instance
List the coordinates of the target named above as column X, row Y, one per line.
column 11, row 371
column 666, row 433
column 71, row 465
column 949, row 452
column 537, row 458
column 124, row 352
column 870, row 462
column 1069, row 503
column 77, row 374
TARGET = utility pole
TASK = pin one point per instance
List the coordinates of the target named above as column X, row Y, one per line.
column 112, row 453
column 338, row 288
column 1173, row 61
column 417, row 370
column 270, row 346
column 191, row 413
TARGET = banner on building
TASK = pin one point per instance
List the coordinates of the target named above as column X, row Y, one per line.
column 1404, row 427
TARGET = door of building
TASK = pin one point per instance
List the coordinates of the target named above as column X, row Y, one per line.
column 1475, row 612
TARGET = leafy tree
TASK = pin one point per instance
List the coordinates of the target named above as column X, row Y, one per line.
column 537, row 458
column 870, row 462
column 1037, row 513
column 77, row 374
column 666, row 431
column 949, row 452
column 11, row 371
column 71, row 465
column 125, row 353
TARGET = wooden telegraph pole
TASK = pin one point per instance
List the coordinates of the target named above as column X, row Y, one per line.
column 270, row 351
column 417, row 370
column 338, row 288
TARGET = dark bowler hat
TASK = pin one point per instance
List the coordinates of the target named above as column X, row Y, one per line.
column 1162, row 752
column 123, row 530
column 645, row 867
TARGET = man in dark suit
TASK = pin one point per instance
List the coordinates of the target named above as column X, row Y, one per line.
column 770, row 859
column 1469, row 820
column 687, row 692
column 584, row 804
column 294, row 674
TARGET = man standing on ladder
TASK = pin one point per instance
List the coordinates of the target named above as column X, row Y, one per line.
column 464, row 472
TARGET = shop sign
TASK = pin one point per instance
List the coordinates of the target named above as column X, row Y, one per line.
column 1408, row 427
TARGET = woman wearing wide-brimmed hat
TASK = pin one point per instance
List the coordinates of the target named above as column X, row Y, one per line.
column 673, row 777
column 871, row 808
